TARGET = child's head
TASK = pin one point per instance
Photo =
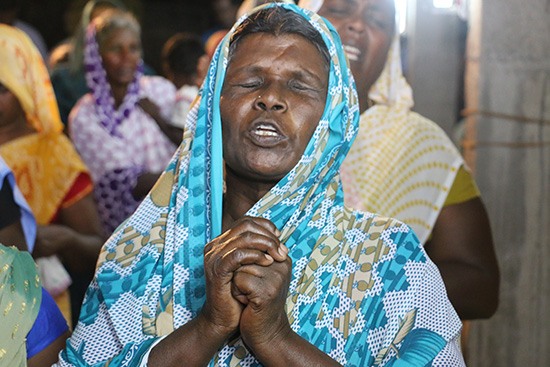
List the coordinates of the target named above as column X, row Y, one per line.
column 184, row 60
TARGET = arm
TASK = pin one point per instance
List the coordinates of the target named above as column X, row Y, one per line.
column 264, row 326
column 48, row 355
column 249, row 241
column 462, row 247
column 12, row 234
column 175, row 134
column 77, row 239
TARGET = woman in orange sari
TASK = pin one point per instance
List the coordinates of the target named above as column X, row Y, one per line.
column 47, row 169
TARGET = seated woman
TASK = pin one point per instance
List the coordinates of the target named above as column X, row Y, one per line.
column 17, row 223
column 404, row 166
column 33, row 330
column 51, row 176
column 275, row 270
column 111, row 127
column 66, row 61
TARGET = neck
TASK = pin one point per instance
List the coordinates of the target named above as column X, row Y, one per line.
column 15, row 129
column 364, row 101
column 119, row 92
column 240, row 196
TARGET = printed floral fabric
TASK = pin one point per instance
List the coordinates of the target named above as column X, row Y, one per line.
column 362, row 288
column 116, row 161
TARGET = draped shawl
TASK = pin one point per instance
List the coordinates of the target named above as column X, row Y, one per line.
column 20, row 297
column 362, row 289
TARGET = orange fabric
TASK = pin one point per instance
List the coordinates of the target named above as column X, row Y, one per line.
column 45, row 167
column 82, row 186
column 23, row 72
column 45, row 164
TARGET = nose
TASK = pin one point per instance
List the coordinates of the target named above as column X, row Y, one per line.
column 270, row 99
column 356, row 25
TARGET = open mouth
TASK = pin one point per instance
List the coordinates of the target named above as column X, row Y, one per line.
column 266, row 130
column 353, row 52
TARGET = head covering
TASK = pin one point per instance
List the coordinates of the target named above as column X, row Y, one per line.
column 20, row 297
column 77, row 53
column 110, row 117
column 150, row 274
column 195, row 176
column 401, row 165
column 45, row 165
column 23, row 72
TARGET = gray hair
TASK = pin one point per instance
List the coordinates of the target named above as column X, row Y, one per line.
column 114, row 20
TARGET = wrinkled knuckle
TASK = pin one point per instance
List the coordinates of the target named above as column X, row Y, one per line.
column 247, row 236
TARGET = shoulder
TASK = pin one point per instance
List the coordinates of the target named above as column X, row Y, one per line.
column 157, row 84
column 48, row 326
column 84, row 109
column 394, row 241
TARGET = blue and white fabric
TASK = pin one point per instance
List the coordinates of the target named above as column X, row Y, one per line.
column 362, row 289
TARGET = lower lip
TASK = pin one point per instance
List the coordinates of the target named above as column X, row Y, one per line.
column 265, row 141
column 352, row 57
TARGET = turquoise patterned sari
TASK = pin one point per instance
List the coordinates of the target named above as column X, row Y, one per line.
column 362, row 289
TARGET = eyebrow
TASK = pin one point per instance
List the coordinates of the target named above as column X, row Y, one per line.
column 303, row 74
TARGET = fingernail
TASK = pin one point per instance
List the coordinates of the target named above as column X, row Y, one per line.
column 269, row 257
column 277, row 232
column 283, row 250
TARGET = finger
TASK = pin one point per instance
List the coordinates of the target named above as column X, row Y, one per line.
column 238, row 257
column 238, row 294
column 260, row 241
column 265, row 223
column 266, row 228
column 259, row 291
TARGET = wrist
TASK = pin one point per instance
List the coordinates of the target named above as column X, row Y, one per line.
column 194, row 342
column 212, row 330
column 270, row 351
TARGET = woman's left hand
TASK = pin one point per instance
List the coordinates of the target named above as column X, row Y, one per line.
column 264, row 320
column 51, row 240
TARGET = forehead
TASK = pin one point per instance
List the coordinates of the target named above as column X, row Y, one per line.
column 265, row 48
column 388, row 5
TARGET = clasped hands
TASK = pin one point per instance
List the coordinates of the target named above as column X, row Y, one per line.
column 247, row 274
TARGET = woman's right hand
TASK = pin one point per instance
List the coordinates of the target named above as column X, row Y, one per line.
column 249, row 241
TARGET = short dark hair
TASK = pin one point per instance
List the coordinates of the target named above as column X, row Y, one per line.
column 182, row 52
column 279, row 21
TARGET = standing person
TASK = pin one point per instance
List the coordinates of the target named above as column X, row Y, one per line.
column 47, row 169
column 274, row 270
column 404, row 166
column 112, row 126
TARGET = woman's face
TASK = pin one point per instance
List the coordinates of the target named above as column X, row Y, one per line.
column 121, row 53
column 272, row 99
column 10, row 108
column 366, row 28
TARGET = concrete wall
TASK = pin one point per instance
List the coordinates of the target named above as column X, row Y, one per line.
column 508, row 133
column 434, row 65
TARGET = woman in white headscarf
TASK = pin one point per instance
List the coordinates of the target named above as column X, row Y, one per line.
column 404, row 166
